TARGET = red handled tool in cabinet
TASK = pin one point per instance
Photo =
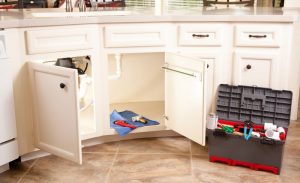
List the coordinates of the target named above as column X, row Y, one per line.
column 124, row 124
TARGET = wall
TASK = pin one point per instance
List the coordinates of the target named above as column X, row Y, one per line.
column 142, row 78
column 291, row 3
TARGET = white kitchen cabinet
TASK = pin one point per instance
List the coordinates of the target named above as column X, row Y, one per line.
column 57, row 116
column 216, row 73
column 8, row 133
column 234, row 52
column 173, row 96
column 56, row 110
column 256, row 69
column 185, row 93
column 64, row 106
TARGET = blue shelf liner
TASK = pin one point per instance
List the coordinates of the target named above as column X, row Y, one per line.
column 127, row 116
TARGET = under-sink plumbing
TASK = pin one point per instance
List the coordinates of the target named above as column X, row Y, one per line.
column 118, row 72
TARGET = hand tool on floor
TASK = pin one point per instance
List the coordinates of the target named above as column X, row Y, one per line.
column 139, row 119
column 124, row 124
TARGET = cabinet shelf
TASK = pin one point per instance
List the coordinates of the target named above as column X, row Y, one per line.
column 153, row 110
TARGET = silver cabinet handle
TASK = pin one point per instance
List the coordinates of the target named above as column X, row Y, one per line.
column 167, row 68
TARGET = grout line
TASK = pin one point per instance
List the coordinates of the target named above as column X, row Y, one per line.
column 159, row 153
column 140, row 153
column 191, row 159
column 112, row 164
column 27, row 171
column 109, row 153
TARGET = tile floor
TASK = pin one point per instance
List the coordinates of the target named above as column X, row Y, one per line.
column 154, row 160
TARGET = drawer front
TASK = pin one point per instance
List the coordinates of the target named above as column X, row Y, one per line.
column 258, row 35
column 57, row 40
column 134, row 36
column 200, row 35
column 8, row 152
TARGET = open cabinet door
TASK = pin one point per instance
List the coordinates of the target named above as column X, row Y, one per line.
column 56, row 110
column 185, row 96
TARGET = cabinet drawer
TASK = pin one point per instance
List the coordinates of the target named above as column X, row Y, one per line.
column 258, row 35
column 134, row 35
column 8, row 152
column 57, row 40
column 200, row 35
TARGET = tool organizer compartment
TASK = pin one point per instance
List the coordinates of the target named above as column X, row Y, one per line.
column 237, row 104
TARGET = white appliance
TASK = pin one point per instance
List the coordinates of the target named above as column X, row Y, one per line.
column 8, row 135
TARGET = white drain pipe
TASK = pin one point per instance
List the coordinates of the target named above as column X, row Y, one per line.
column 118, row 72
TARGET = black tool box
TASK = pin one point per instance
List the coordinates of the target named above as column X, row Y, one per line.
column 237, row 104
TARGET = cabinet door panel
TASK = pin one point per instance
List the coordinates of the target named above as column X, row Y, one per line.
column 185, row 96
column 256, row 70
column 7, row 110
column 56, row 110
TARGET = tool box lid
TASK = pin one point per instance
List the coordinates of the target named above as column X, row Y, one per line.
column 260, row 105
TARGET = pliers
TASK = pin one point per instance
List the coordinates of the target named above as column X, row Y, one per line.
column 248, row 124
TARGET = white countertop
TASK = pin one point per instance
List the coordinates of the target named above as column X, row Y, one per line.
column 24, row 17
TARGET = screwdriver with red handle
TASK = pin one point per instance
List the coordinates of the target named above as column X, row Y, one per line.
column 124, row 124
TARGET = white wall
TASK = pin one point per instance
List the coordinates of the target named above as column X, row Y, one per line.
column 142, row 78
column 292, row 3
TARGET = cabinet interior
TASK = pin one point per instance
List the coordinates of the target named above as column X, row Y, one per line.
column 86, row 103
column 140, row 85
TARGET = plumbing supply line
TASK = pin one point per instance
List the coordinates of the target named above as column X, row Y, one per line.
column 85, row 81
column 118, row 72
column 87, row 106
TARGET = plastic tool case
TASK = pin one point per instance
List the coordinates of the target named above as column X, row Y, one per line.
column 237, row 104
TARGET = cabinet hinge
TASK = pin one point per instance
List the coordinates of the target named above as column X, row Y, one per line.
column 166, row 117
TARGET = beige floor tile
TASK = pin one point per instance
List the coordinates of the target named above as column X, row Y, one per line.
column 111, row 147
column 290, row 172
column 202, row 163
column 198, row 149
column 294, row 131
column 144, row 168
column 176, row 145
column 53, row 169
column 292, row 148
column 14, row 174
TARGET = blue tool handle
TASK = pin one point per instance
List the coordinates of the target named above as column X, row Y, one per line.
column 247, row 136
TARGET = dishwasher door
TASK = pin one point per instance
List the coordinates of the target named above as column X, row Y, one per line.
column 7, row 111
column 8, row 134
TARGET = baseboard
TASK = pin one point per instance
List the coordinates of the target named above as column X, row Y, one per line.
column 115, row 138
column 4, row 168
column 34, row 155
column 105, row 139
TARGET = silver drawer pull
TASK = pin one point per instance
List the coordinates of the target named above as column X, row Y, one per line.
column 200, row 35
column 257, row 36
